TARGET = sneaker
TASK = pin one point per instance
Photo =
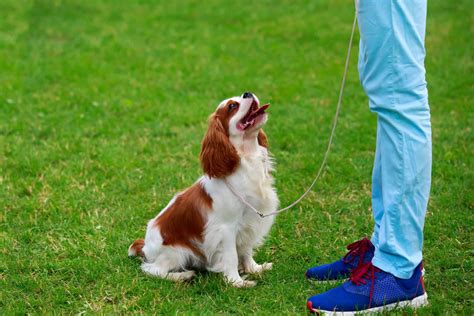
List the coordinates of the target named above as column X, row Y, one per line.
column 360, row 252
column 371, row 290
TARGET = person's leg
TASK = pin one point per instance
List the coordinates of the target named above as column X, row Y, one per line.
column 377, row 197
column 392, row 72
column 391, row 67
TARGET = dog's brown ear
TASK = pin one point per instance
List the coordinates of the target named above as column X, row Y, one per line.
column 262, row 139
column 219, row 158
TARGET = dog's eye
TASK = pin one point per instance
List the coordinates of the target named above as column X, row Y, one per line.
column 233, row 105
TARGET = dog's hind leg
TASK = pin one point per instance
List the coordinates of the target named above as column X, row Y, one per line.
column 169, row 265
column 155, row 270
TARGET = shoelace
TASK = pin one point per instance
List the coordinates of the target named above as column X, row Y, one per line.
column 364, row 273
column 358, row 248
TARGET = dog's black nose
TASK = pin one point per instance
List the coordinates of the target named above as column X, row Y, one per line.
column 247, row 95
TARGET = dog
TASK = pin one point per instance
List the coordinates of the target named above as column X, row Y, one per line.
column 207, row 227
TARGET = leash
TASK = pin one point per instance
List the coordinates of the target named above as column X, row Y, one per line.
column 326, row 154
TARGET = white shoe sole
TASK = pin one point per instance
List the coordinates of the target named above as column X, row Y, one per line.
column 417, row 302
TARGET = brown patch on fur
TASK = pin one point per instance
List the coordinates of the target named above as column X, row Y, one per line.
column 137, row 247
column 224, row 114
column 218, row 156
column 262, row 139
column 182, row 224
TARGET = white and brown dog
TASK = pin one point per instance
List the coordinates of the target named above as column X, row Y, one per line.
column 207, row 226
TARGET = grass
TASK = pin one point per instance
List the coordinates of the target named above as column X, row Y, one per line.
column 102, row 108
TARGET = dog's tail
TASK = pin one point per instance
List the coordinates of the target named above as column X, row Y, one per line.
column 136, row 248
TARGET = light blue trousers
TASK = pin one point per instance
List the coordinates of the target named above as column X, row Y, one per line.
column 392, row 72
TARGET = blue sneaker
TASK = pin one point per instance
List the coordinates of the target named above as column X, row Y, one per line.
column 371, row 290
column 360, row 252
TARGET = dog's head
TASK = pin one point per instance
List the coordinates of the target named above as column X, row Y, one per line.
column 235, row 121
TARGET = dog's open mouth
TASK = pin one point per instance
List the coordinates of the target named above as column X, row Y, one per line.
column 252, row 115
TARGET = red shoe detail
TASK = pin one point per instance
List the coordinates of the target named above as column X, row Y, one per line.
column 362, row 274
column 357, row 248
column 421, row 281
column 421, row 278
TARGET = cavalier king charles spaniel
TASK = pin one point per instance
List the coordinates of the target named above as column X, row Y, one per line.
column 206, row 226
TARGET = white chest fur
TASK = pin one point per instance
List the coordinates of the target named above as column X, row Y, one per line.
column 255, row 172
column 254, row 182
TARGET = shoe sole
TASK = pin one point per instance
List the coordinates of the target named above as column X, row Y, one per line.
column 417, row 302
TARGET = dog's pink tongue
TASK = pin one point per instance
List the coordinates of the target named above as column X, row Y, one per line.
column 260, row 110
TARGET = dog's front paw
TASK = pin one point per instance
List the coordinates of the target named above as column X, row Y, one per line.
column 267, row 266
column 188, row 275
column 244, row 283
column 259, row 268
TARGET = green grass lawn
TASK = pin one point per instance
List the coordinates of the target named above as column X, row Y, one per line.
column 103, row 105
